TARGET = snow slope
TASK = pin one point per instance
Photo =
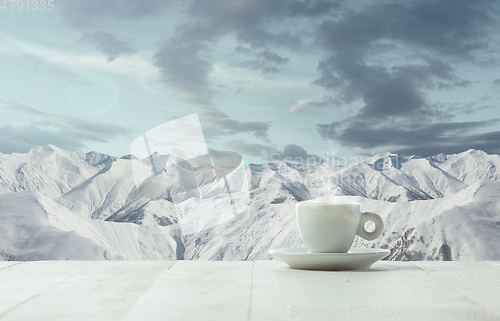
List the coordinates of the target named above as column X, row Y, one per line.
column 465, row 226
column 36, row 228
column 87, row 206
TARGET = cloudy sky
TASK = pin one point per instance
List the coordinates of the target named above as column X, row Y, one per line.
column 291, row 78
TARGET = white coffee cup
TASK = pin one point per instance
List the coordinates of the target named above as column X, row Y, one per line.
column 331, row 228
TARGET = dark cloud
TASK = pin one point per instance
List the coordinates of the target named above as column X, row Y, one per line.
column 218, row 126
column 184, row 72
column 490, row 143
column 431, row 39
column 386, row 55
column 496, row 81
column 216, row 123
column 108, row 44
column 261, row 38
column 66, row 132
column 425, row 140
column 360, row 134
column 329, row 131
column 273, row 58
column 452, row 30
column 84, row 13
column 232, row 126
column 247, row 13
column 266, row 62
column 394, row 92
column 203, row 31
column 182, row 60
column 423, row 75
column 295, row 152
column 290, row 153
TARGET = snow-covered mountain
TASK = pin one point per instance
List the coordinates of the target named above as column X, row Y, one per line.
column 35, row 227
column 57, row 204
column 50, row 170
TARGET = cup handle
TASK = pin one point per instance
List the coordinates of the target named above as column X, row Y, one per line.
column 379, row 226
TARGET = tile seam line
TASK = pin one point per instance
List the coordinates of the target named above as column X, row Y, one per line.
column 249, row 313
column 42, row 291
column 454, row 288
column 4, row 268
column 145, row 292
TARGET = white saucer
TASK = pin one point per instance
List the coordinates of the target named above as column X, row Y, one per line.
column 355, row 258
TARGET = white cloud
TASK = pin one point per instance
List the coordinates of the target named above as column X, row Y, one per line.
column 66, row 132
column 136, row 68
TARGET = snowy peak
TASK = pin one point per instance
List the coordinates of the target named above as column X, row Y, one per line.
column 439, row 158
column 386, row 161
column 474, row 152
column 53, row 152
column 471, row 166
column 471, row 154
column 96, row 159
column 129, row 156
column 49, row 148
column 88, row 205
column 48, row 169
column 173, row 154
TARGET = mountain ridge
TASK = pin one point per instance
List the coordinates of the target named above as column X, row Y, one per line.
column 258, row 214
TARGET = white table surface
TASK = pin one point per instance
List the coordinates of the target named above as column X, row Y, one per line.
column 235, row 290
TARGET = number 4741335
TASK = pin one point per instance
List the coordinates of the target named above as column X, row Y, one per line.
column 28, row 5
